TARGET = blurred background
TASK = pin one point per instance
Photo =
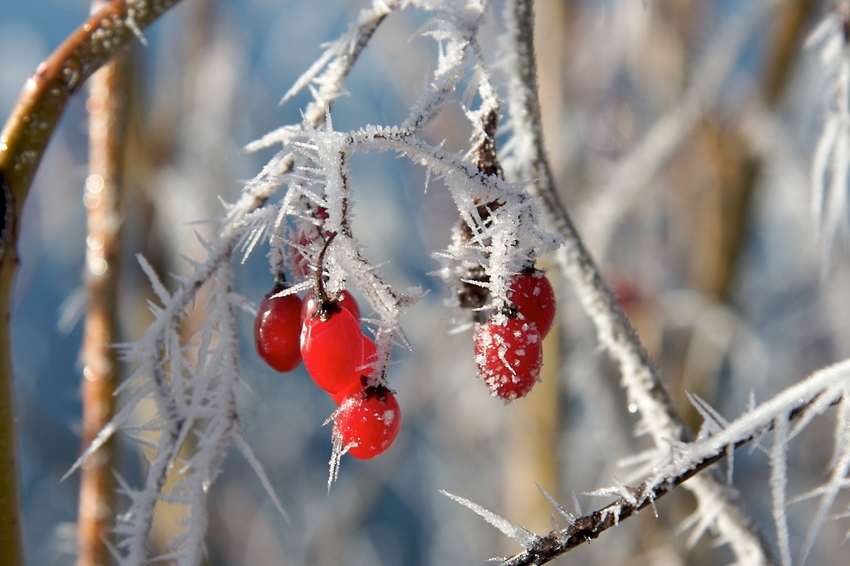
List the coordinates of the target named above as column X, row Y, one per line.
column 681, row 133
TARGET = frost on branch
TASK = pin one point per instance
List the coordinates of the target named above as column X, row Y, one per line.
column 193, row 385
column 301, row 204
column 831, row 159
column 786, row 415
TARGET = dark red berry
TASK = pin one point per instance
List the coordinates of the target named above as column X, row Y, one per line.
column 277, row 329
column 345, row 300
column 332, row 348
column 509, row 355
column 534, row 297
column 367, row 422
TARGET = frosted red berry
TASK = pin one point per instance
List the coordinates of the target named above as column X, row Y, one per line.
column 277, row 330
column 509, row 355
column 345, row 300
column 534, row 297
column 367, row 422
column 332, row 349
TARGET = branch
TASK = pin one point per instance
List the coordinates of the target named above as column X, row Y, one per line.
column 197, row 400
column 22, row 144
column 43, row 99
column 11, row 540
column 636, row 170
column 802, row 401
column 108, row 102
column 640, row 378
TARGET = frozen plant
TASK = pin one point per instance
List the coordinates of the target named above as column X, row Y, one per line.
column 831, row 159
column 509, row 215
column 309, row 230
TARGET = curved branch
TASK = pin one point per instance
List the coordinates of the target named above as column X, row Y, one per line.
column 46, row 93
column 22, row 144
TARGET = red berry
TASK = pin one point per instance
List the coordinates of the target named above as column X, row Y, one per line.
column 277, row 329
column 367, row 422
column 345, row 300
column 370, row 352
column 534, row 297
column 332, row 348
column 343, row 394
column 509, row 356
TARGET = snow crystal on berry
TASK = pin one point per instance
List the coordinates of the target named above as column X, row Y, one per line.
column 509, row 356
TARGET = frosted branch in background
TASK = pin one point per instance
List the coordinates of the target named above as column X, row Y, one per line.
column 603, row 212
column 831, row 159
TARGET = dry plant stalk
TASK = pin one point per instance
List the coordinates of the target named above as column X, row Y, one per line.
column 107, row 107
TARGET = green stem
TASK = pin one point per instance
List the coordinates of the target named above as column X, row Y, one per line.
column 23, row 141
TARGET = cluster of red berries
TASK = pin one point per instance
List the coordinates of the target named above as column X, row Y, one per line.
column 509, row 346
column 326, row 335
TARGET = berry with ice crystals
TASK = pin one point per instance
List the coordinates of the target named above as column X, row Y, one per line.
column 367, row 422
column 509, row 355
column 534, row 298
column 332, row 348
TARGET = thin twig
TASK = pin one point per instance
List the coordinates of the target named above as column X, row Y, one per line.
column 639, row 375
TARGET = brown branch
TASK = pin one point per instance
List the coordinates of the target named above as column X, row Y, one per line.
column 107, row 106
column 589, row 527
column 23, row 140
column 11, row 541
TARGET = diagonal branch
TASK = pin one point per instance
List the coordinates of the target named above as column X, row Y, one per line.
column 639, row 376
column 814, row 394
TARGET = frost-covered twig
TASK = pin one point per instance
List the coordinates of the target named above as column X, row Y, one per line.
column 605, row 210
column 638, row 374
column 337, row 61
column 194, row 384
column 831, row 159
column 799, row 402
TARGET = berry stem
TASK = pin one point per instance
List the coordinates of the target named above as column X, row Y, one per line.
column 325, row 304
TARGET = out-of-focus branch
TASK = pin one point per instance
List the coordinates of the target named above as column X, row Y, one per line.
column 606, row 209
column 107, row 107
column 639, row 376
column 22, row 143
